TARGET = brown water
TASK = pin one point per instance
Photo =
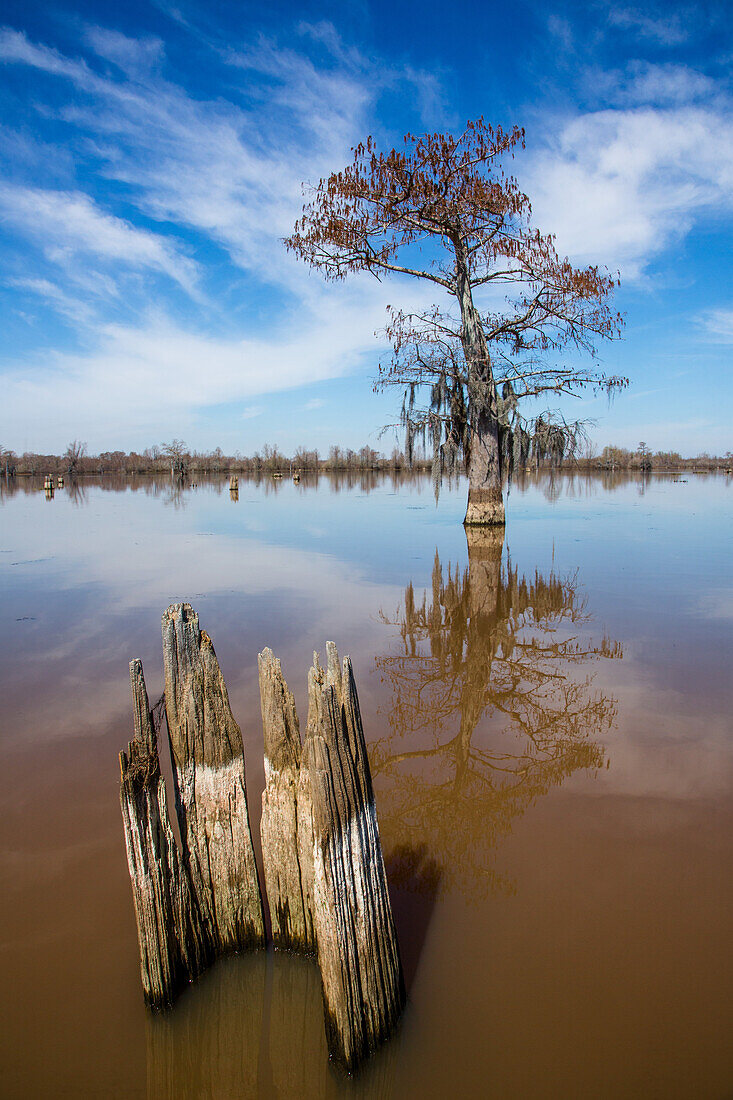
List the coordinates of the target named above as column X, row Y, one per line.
column 549, row 726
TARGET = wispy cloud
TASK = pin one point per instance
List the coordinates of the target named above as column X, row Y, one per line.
column 96, row 394
column 66, row 223
column 16, row 47
column 642, row 83
column 67, row 305
column 229, row 172
column 223, row 172
column 670, row 29
column 426, row 85
column 718, row 324
column 134, row 56
column 561, row 31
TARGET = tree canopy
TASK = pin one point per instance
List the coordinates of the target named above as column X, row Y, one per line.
column 443, row 209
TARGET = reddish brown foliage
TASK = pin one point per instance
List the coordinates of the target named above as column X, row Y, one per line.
column 442, row 208
column 453, row 192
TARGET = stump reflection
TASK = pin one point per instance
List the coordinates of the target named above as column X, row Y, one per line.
column 252, row 1027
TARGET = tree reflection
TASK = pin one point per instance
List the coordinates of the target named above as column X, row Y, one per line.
column 492, row 705
column 77, row 492
column 174, row 493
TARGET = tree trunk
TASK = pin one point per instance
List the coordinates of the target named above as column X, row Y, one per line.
column 485, row 500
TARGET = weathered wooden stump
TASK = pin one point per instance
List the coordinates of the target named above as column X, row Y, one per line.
column 211, row 795
column 358, row 954
column 172, row 946
column 327, row 821
column 324, row 870
column 290, row 910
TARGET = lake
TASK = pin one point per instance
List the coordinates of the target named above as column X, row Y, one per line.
column 548, row 716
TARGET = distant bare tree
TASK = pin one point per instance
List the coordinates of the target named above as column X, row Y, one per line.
column 176, row 452
column 272, row 459
column 590, row 451
column 645, row 456
column 8, row 460
column 335, row 457
column 73, row 455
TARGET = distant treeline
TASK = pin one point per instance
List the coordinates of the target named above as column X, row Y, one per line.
column 619, row 458
column 177, row 458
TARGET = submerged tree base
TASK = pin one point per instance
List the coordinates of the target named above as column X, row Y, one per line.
column 485, row 508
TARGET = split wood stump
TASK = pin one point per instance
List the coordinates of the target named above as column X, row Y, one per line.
column 322, row 856
column 329, row 831
column 172, row 943
column 210, row 788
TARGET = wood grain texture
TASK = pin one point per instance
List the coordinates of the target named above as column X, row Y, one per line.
column 170, row 936
column 358, row 953
column 324, row 870
column 323, row 856
column 306, row 831
column 290, row 913
column 210, row 787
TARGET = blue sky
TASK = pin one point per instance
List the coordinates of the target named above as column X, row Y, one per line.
column 151, row 159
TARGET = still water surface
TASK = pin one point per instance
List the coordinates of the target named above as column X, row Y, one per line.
column 548, row 718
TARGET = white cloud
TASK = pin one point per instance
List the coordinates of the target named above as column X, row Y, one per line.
column 668, row 30
column 141, row 377
column 644, row 83
column 617, row 186
column 134, row 56
column 73, row 308
column 315, row 403
column 232, row 173
column 561, row 31
column 15, row 47
column 718, row 323
column 65, row 223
